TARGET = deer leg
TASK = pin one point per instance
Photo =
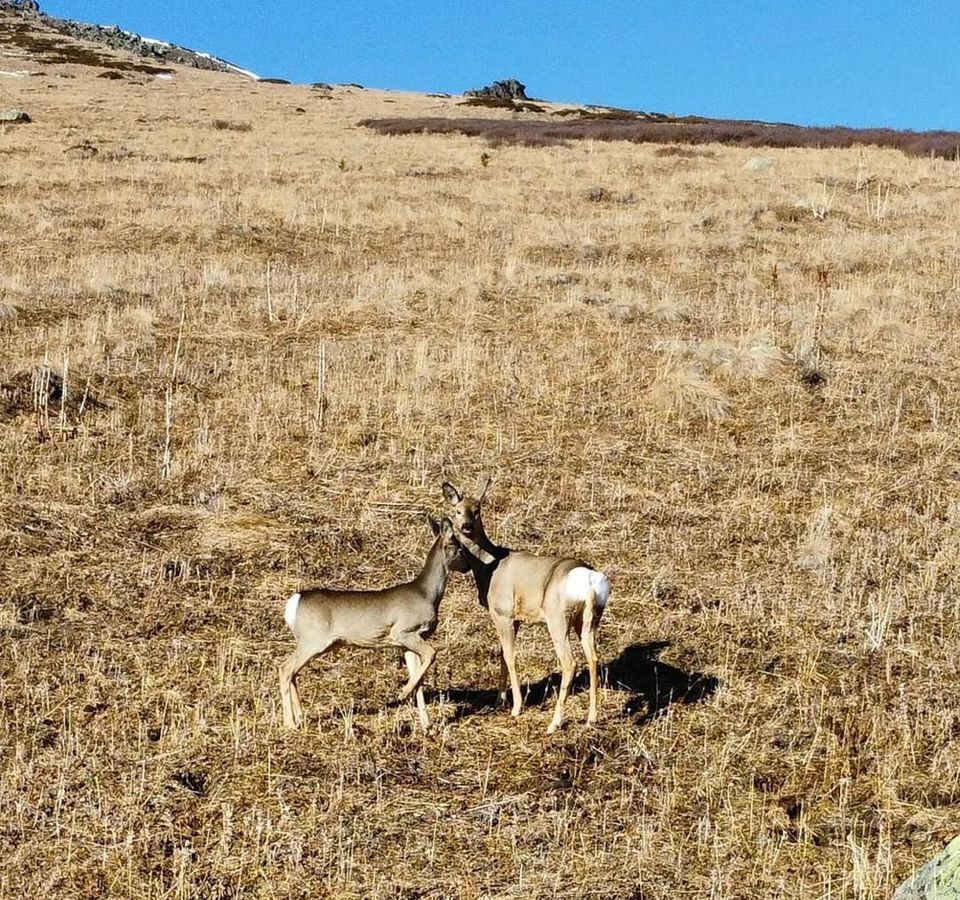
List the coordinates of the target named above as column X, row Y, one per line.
column 507, row 632
column 588, row 640
column 413, row 661
column 296, row 705
column 289, row 696
column 412, row 641
column 559, row 628
column 502, row 687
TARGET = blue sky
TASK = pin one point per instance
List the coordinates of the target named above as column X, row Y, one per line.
column 825, row 62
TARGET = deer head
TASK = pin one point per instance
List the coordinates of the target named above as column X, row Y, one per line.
column 467, row 521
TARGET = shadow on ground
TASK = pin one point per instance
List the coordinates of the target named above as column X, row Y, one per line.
column 650, row 685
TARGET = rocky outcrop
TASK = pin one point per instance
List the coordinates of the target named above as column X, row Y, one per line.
column 509, row 89
column 115, row 38
column 25, row 6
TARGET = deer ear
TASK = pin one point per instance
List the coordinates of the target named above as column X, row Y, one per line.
column 447, row 528
column 434, row 524
column 483, row 485
column 451, row 493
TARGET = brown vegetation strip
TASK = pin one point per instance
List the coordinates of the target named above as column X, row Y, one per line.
column 540, row 133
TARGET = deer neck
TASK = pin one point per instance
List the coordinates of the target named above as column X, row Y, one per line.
column 432, row 579
column 483, row 571
column 484, row 543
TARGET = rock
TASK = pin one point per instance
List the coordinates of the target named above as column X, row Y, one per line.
column 509, row 89
column 758, row 164
column 595, row 194
column 14, row 115
column 25, row 6
column 938, row 879
column 273, row 81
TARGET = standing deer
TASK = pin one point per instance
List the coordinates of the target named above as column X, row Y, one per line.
column 518, row 587
column 400, row 616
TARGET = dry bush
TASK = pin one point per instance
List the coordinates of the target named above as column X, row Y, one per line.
column 684, row 152
column 642, row 129
column 228, row 125
column 267, row 366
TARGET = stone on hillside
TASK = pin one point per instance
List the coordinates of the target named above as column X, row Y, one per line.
column 509, row 89
column 14, row 115
column 938, row 879
column 758, row 164
column 27, row 6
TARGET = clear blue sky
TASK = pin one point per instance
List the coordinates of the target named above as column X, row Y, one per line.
column 826, row 62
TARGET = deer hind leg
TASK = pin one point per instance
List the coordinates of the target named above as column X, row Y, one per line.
column 289, row 695
column 559, row 627
column 588, row 640
column 413, row 663
column 507, row 632
column 412, row 641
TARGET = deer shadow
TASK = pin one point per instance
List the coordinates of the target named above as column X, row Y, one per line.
column 650, row 685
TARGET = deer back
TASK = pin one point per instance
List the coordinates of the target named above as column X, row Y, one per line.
column 523, row 583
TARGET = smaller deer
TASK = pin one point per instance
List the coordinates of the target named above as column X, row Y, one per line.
column 400, row 616
column 518, row 587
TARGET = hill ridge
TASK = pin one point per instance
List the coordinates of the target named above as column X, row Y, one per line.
column 113, row 37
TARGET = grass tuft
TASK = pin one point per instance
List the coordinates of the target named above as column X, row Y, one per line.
column 684, row 392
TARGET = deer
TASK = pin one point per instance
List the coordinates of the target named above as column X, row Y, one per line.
column 403, row 616
column 517, row 587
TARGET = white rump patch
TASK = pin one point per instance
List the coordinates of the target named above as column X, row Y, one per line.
column 290, row 613
column 581, row 581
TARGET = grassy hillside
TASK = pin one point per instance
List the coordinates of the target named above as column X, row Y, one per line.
column 242, row 341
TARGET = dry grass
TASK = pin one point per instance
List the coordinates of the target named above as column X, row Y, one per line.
column 260, row 367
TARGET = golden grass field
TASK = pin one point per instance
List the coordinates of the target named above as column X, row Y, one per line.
column 279, row 332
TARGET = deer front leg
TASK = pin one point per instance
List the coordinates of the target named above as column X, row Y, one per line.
column 504, row 672
column 506, row 631
column 413, row 642
column 412, row 661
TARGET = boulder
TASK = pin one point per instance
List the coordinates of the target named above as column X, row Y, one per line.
column 938, row 879
column 508, row 89
column 14, row 115
column 758, row 164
